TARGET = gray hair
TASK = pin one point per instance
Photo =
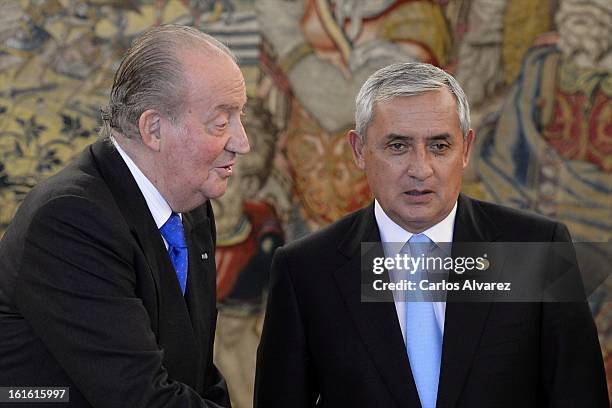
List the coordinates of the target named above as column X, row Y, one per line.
column 151, row 76
column 406, row 79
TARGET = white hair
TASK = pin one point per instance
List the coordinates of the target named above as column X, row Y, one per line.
column 406, row 79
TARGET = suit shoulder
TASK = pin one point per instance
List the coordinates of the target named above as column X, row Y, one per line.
column 326, row 239
column 80, row 178
column 501, row 212
column 78, row 192
column 521, row 223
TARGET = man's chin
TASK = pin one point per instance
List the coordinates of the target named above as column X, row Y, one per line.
column 219, row 189
column 202, row 196
column 417, row 220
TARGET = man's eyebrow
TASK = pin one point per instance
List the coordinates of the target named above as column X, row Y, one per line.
column 396, row 136
column 228, row 108
column 441, row 136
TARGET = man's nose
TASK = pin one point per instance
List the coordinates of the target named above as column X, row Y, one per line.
column 238, row 141
column 420, row 164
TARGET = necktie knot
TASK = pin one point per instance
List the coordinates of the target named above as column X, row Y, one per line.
column 418, row 244
column 173, row 233
column 419, row 239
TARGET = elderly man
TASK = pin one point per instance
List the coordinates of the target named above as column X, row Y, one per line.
column 322, row 346
column 107, row 271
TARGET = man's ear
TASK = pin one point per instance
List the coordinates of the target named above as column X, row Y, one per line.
column 357, row 146
column 149, row 125
column 468, row 143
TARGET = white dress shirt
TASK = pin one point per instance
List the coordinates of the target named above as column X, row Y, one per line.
column 158, row 206
column 391, row 232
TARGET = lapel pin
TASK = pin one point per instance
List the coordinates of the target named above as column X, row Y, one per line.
column 205, row 255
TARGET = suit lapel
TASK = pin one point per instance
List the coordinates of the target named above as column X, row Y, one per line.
column 201, row 279
column 172, row 324
column 377, row 323
column 464, row 321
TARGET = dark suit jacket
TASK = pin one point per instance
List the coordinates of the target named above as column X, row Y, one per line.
column 320, row 343
column 89, row 298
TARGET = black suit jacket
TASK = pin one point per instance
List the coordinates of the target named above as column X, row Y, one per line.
column 89, row 298
column 322, row 346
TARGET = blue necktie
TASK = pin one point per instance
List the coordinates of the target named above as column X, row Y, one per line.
column 423, row 336
column 173, row 233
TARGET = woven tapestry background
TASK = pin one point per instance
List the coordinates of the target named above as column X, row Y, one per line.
column 538, row 74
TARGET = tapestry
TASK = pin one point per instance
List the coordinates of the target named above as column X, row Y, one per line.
column 538, row 75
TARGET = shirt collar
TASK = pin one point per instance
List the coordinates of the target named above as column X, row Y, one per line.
column 391, row 232
column 158, row 206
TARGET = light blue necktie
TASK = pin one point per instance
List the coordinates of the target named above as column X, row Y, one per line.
column 423, row 336
column 173, row 233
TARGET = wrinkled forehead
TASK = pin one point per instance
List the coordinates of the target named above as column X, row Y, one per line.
column 204, row 59
column 213, row 73
column 439, row 101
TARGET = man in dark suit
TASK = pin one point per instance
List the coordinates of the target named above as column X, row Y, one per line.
column 107, row 271
column 322, row 345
